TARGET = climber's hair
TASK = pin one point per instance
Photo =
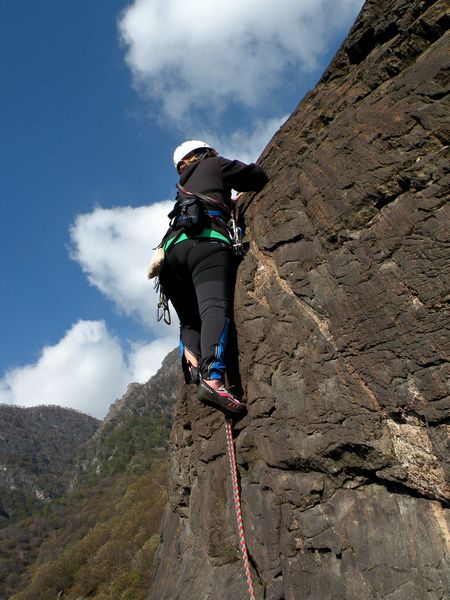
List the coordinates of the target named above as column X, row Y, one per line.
column 194, row 157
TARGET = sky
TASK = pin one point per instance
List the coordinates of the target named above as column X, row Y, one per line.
column 94, row 97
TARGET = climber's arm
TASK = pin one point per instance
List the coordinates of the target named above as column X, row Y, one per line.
column 242, row 177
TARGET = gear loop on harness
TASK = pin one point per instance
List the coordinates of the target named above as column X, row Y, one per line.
column 237, row 504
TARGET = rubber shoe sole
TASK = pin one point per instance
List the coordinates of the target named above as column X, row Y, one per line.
column 221, row 399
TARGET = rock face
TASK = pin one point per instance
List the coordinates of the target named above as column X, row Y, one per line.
column 341, row 317
column 37, row 449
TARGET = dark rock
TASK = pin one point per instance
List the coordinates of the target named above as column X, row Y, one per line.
column 343, row 344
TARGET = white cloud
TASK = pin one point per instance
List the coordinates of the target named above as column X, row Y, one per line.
column 86, row 370
column 146, row 359
column 186, row 56
column 245, row 144
column 197, row 54
column 114, row 247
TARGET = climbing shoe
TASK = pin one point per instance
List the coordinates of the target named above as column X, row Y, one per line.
column 221, row 399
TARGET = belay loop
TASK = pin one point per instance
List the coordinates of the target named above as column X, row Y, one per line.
column 237, row 505
column 162, row 308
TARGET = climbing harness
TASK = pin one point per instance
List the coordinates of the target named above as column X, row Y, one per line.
column 233, row 230
column 237, row 504
column 204, row 197
column 188, row 215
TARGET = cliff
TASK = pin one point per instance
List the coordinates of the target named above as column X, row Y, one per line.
column 341, row 316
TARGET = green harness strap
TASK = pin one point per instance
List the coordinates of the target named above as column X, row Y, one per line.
column 206, row 233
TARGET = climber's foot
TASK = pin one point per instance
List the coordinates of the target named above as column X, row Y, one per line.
column 215, row 394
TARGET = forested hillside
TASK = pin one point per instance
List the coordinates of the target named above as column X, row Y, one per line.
column 98, row 539
column 37, row 452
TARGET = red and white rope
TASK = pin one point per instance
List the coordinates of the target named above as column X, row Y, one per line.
column 237, row 504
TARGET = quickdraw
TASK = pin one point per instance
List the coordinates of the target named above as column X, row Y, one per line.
column 162, row 308
column 237, row 505
column 235, row 233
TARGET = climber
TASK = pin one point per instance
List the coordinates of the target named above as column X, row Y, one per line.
column 198, row 274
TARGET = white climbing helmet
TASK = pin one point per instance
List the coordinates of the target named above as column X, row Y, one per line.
column 186, row 148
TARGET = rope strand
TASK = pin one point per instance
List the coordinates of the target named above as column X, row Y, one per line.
column 237, row 505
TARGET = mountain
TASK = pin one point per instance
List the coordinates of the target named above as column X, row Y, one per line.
column 37, row 450
column 342, row 350
column 341, row 312
column 136, row 425
column 99, row 538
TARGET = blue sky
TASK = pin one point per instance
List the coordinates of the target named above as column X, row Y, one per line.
column 94, row 97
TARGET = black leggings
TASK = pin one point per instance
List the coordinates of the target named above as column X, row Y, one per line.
column 198, row 278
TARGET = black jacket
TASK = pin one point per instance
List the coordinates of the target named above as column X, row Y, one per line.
column 217, row 176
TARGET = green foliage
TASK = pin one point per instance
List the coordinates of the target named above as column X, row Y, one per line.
column 92, row 536
column 134, row 443
column 113, row 559
column 24, row 504
column 99, row 540
column 37, row 448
